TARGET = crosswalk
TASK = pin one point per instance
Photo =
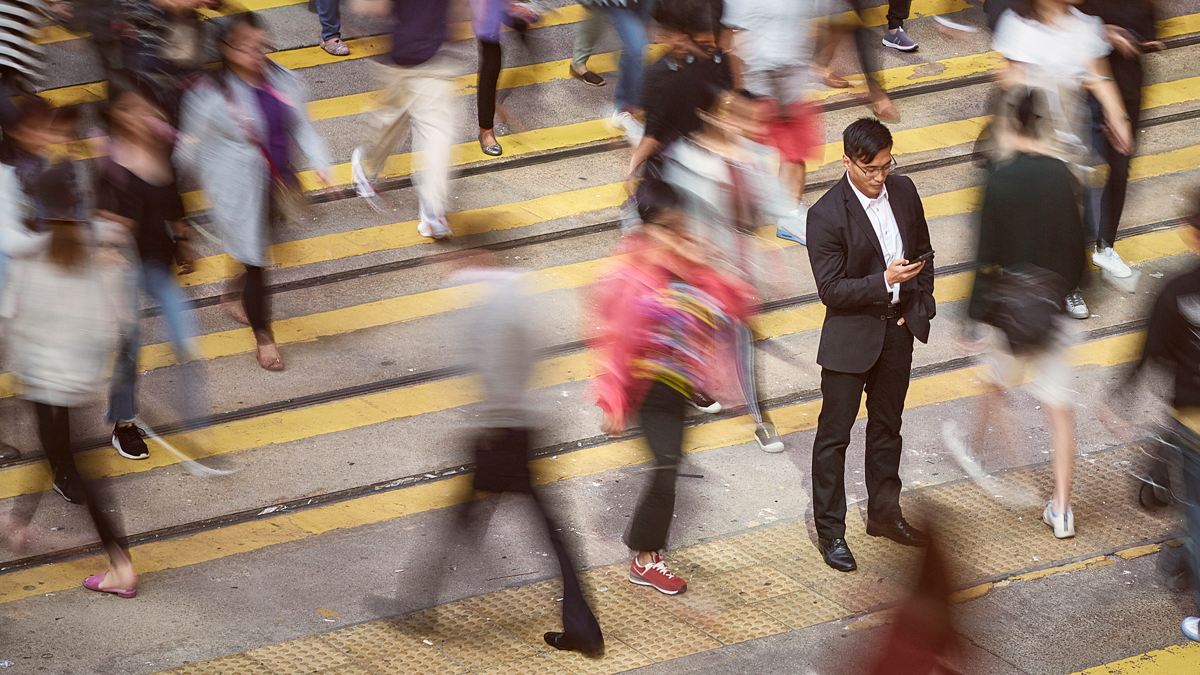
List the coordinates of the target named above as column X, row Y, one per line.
column 417, row 473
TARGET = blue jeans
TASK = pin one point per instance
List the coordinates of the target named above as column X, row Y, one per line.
column 158, row 282
column 331, row 18
column 630, row 25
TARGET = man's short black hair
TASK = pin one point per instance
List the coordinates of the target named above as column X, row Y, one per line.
column 685, row 16
column 865, row 138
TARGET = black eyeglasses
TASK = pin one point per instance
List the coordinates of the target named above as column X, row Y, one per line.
column 871, row 172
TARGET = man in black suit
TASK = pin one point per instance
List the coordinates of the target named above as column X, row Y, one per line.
column 861, row 236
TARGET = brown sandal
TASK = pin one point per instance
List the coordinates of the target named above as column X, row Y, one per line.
column 835, row 81
column 268, row 356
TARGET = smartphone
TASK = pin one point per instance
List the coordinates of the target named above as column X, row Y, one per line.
column 921, row 258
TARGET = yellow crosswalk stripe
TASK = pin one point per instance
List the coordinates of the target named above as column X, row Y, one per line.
column 1174, row 660
column 380, row 507
column 54, row 33
column 430, row 397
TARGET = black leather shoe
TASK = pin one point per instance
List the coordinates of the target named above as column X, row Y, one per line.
column 562, row 642
column 837, row 554
column 899, row 531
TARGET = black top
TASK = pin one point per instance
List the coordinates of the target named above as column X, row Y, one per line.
column 1031, row 214
column 1136, row 16
column 151, row 207
column 1173, row 338
column 671, row 93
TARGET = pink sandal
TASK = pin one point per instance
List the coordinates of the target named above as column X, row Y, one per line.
column 93, row 582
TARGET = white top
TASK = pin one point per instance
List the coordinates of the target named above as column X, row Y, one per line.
column 1057, row 57
column 883, row 220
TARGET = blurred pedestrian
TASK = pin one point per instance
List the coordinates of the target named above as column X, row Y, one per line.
column 488, row 19
column 1173, row 344
column 62, row 328
column 630, row 19
column 330, row 15
column 685, row 80
column 665, row 314
column 136, row 187
column 587, row 32
column 418, row 88
column 21, row 56
column 774, row 42
column 163, row 44
column 1052, row 46
column 726, row 188
column 244, row 118
column 832, row 33
column 502, row 446
column 868, row 244
column 1030, row 255
column 1129, row 27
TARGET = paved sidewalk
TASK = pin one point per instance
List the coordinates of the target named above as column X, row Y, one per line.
column 765, row 582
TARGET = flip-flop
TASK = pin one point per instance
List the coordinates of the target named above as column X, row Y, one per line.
column 93, row 582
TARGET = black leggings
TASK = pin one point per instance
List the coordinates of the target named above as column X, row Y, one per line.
column 254, row 300
column 661, row 418
column 489, row 75
column 54, row 430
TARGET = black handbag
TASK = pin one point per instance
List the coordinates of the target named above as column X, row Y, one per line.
column 1024, row 301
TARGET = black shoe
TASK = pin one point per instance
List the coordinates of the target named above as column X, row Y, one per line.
column 8, row 453
column 837, row 554
column 588, row 77
column 70, row 489
column 128, row 441
column 703, row 403
column 562, row 642
column 900, row 532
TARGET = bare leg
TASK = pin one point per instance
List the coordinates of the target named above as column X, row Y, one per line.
column 794, row 177
column 1062, row 434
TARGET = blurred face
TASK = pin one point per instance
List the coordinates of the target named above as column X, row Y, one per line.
column 707, row 42
column 245, row 50
column 134, row 116
column 868, row 177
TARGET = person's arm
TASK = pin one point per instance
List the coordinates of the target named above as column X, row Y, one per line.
column 1116, row 119
column 918, row 240
column 645, row 150
column 302, row 130
column 827, row 256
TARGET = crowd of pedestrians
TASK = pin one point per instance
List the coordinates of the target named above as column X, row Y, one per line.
column 721, row 134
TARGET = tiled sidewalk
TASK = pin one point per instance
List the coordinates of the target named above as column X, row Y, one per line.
column 767, row 581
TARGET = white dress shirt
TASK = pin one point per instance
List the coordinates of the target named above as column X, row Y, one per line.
column 879, row 212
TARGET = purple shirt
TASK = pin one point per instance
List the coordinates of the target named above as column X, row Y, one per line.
column 418, row 30
column 275, row 113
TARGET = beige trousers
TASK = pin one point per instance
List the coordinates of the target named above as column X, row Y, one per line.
column 422, row 95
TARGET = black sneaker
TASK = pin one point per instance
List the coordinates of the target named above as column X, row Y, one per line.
column 128, row 441
column 8, row 453
column 703, row 403
column 70, row 489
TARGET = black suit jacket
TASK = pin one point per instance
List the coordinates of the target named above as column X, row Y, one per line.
column 847, row 262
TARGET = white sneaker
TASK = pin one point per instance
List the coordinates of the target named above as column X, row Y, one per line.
column 362, row 186
column 795, row 226
column 434, row 228
column 1063, row 523
column 1191, row 628
column 1076, row 307
column 1107, row 259
column 626, row 122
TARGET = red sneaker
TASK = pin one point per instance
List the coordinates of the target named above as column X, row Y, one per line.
column 657, row 576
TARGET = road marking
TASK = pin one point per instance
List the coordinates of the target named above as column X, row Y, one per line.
column 56, row 33
column 380, row 507
column 311, row 327
column 442, row 395
column 1174, row 660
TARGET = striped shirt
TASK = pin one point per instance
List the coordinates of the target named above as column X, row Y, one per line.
column 20, row 57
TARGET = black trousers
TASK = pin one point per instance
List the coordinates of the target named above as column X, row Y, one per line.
column 489, row 75
column 1128, row 75
column 661, row 418
column 897, row 13
column 502, row 457
column 254, row 300
column 54, row 431
column 886, row 384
